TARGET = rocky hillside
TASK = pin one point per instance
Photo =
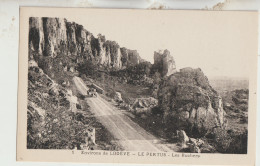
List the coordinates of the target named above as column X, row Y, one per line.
column 236, row 106
column 58, row 116
column 51, row 122
column 236, row 100
column 51, row 37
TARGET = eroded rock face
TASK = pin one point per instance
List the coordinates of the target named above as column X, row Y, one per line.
column 164, row 62
column 36, row 35
column 56, row 36
column 129, row 57
column 190, row 103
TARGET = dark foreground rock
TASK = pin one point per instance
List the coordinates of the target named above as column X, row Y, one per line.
column 193, row 145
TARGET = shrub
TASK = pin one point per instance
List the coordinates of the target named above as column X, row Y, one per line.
column 57, row 130
column 221, row 140
column 239, row 143
column 230, row 142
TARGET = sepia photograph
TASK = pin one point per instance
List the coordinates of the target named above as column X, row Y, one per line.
column 163, row 83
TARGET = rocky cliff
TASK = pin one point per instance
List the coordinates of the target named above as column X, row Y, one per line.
column 164, row 62
column 56, row 36
column 190, row 103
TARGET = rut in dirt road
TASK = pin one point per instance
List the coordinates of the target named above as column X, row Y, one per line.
column 129, row 134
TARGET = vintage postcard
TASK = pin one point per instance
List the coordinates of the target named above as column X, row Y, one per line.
column 137, row 86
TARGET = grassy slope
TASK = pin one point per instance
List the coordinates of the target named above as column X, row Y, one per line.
column 129, row 92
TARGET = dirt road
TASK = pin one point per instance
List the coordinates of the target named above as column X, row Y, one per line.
column 129, row 135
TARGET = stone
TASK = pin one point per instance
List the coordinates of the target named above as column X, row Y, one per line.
column 144, row 104
column 182, row 137
column 193, row 113
column 90, row 139
column 118, row 97
column 193, row 141
column 54, row 91
column 200, row 146
column 194, row 148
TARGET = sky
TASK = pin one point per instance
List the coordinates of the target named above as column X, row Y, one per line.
column 219, row 44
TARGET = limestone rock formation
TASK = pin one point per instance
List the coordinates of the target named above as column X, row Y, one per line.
column 190, row 103
column 51, row 37
column 164, row 62
column 129, row 57
column 36, row 35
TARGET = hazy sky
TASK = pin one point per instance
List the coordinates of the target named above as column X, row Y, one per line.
column 221, row 44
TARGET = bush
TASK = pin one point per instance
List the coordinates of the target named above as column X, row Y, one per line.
column 230, row 141
column 239, row 143
column 50, row 122
column 57, row 130
column 221, row 140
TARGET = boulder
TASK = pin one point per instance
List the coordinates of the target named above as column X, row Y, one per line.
column 54, row 91
column 182, row 137
column 90, row 136
column 144, row 104
column 200, row 146
column 78, row 106
column 118, row 97
column 194, row 148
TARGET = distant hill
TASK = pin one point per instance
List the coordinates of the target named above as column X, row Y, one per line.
column 222, row 84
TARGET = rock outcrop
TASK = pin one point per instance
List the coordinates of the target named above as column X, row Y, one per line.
column 190, row 103
column 130, row 57
column 164, row 62
column 194, row 145
column 144, row 105
column 56, row 36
